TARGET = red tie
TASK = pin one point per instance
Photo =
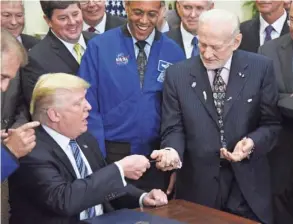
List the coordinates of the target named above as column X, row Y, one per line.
column 92, row 29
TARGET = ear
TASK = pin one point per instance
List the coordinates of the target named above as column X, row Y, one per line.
column 237, row 41
column 48, row 21
column 53, row 115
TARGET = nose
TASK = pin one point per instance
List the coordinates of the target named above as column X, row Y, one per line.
column 207, row 53
column 71, row 21
column 13, row 20
column 144, row 19
column 88, row 107
column 193, row 13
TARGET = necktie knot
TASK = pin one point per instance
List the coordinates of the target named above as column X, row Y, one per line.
column 141, row 44
column 194, row 41
column 269, row 29
column 92, row 29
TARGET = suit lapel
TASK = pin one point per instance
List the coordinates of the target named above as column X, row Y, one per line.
column 255, row 41
column 285, row 56
column 56, row 149
column 59, row 48
column 201, row 85
column 237, row 80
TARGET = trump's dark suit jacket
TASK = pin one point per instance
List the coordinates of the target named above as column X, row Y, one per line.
column 250, row 31
column 48, row 56
column 45, row 188
column 190, row 125
column 281, row 51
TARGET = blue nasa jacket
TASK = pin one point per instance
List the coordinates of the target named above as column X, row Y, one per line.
column 9, row 163
column 122, row 111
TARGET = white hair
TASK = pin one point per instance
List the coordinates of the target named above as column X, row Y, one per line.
column 221, row 19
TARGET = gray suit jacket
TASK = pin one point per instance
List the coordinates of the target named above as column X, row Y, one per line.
column 281, row 51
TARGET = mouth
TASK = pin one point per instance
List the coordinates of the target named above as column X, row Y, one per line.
column 72, row 29
column 142, row 28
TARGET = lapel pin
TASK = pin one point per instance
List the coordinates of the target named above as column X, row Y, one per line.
column 204, row 95
column 241, row 75
column 193, row 84
column 85, row 146
column 249, row 100
column 230, row 98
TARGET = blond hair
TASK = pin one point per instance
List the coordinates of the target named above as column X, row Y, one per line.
column 46, row 91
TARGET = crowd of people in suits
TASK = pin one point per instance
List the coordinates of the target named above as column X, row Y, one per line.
column 105, row 112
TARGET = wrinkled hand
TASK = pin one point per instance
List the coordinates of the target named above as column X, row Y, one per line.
column 241, row 151
column 3, row 134
column 155, row 198
column 22, row 140
column 134, row 166
column 171, row 183
column 166, row 159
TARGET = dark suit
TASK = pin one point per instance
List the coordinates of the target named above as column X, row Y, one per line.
column 280, row 50
column 176, row 35
column 190, row 125
column 48, row 56
column 250, row 31
column 14, row 111
column 45, row 187
column 113, row 21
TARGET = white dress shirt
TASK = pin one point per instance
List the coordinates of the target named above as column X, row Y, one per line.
column 63, row 142
column 70, row 46
column 224, row 73
column 187, row 41
column 278, row 26
column 100, row 28
column 147, row 48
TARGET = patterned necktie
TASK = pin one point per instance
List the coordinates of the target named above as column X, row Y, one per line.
column 219, row 94
column 77, row 50
column 82, row 170
column 141, row 60
column 91, row 29
column 269, row 29
column 194, row 43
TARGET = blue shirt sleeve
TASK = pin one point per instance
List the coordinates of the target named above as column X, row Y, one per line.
column 9, row 163
column 88, row 70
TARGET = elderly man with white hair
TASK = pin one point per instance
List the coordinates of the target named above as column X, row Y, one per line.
column 219, row 121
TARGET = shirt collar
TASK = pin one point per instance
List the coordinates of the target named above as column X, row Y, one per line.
column 186, row 36
column 100, row 27
column 19, row 39
column 149, row 40
column 70, row 46
column 277, row 25
column 61, row 140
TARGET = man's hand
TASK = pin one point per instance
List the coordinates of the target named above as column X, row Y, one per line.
column 167, row 159
column 155, row 198
column 171, row 183
column 22, row 140
column 134, row 166
column 241, row 151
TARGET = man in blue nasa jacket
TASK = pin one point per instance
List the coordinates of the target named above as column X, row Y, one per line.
column 126, row 85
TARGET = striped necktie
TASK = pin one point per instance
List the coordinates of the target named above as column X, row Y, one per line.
column 82, row 170
column 77, row 50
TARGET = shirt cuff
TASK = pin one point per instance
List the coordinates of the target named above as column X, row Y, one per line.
column 121, row 174
column 174, row 151
column 141, row 199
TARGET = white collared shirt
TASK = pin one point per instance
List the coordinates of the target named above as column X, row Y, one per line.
column 278, row 26
column 100, row 27
column 187, row 41
column 147, row 48
column 70, row 46
column 63, row 142
column 224, row 73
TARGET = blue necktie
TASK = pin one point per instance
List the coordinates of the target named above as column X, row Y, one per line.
column 82, row 170
column 269, row 29
column 194, row 43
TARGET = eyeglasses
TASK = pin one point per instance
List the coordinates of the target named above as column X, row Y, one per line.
column 92, row 1
column 140, row 13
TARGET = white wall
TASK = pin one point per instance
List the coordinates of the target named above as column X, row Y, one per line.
column 35, row 24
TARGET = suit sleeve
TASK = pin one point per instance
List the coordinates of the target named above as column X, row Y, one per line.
column 172, row 130
column 266, row 135
column 30, row 75
column 9, row 163
column 41, row 181
column 89, row 71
